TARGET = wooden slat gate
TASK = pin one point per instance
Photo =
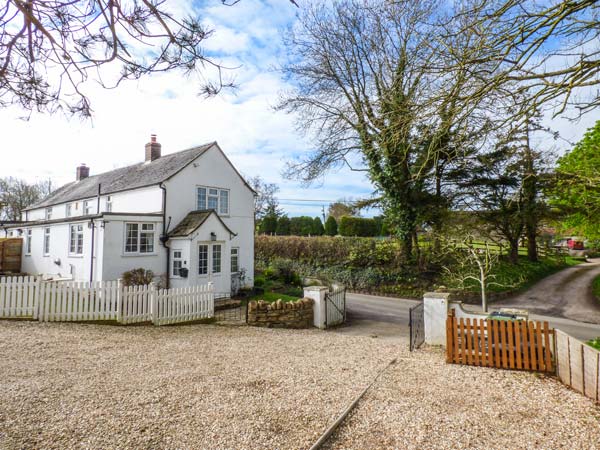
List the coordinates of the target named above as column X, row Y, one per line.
column 522, row 345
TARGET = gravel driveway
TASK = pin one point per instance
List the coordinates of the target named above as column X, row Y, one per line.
column 207, row 386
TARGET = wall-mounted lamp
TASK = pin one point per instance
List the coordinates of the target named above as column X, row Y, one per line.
column 213, row 236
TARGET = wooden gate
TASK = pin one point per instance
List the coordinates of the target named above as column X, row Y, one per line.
column 335, row 304
column 521, row 344
column 10, row 255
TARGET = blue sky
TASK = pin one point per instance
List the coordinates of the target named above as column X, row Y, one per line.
column 256, row 138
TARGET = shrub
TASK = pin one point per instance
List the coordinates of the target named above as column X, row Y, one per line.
column 137, row 277
column 358, row 226
column 301, row 226
column 331, row 227
column 317, row 228
column 283, row 226
column 259, row 281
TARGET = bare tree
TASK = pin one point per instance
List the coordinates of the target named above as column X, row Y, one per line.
column 551, row 49
column 48, row 49
column 472, row 263
column 373, row 85
column 265, row 201
column 16, row 195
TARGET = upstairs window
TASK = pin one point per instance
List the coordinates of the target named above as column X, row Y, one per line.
column 213, row 198
column 108, row 204
column 87, row 207
column 46, row 241
column 76, row 239
column 139, row 238
column 68, row 209
column 48, row 214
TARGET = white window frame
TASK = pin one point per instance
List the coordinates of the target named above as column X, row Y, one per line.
column 221, row 193
column 68, row 209
column 108, row 204
column 235, row 251
column 138, row 244
column 206, row 267
column 48, row 213
column 212, row 259
column 178, row 259
column 87, row 207
column 46, row 242
column 75, row 231
column 28, row 240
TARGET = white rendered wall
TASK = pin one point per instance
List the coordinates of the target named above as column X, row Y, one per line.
column 142, row 200
column 212, row 170
column 37, row 263
column 114, row 259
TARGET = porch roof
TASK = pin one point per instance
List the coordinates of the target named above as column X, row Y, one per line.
column 193, row 221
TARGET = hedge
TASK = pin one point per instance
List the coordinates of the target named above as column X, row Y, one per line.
column 358, row 226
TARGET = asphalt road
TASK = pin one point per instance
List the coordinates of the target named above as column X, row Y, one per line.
column 388, row 318
column 566, row 294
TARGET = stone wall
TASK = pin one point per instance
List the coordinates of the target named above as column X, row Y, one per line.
column 298, row 314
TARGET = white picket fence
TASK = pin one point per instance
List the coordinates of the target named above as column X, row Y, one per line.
column 69, row 301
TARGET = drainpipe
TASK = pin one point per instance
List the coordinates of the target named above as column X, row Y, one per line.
column 93, row 235
column 163, row 237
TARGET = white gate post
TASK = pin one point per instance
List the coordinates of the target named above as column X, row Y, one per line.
column 435, row 312
column 317, row 293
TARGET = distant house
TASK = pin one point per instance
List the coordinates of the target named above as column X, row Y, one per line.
column 187, row 214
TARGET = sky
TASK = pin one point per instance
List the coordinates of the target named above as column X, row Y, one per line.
column 257, row 139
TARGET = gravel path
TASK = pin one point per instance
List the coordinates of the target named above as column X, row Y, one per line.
column 424, row 403
column 207, row 386
column 200, row 386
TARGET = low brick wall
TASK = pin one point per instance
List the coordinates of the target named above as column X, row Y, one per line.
column 298, row 314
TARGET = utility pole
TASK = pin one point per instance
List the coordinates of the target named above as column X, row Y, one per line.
column 323, row 212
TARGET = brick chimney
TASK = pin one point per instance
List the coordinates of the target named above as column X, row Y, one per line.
column 152, row 149
column 82, row 172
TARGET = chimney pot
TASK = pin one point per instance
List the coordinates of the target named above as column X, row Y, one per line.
column 153, row 149
column 82, row 172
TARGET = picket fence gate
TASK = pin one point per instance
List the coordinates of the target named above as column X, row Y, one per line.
column 71, row 301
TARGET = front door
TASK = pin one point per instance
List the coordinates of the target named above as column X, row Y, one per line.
column 211, row 267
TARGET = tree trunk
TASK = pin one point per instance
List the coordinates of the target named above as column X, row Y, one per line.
column 531, row 232
column 513, row 254
column 530, row 193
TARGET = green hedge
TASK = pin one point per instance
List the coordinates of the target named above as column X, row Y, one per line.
column 358, row 226
column 326, row 250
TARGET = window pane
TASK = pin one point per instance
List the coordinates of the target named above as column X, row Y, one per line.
column 131, row 238
column 216, row 256
column 235, row 265
column 46, row 241
column 213, row 192
column 213, row 202
column 224, row 202
column 202, row 259
column 146, row 242
column 201, row 204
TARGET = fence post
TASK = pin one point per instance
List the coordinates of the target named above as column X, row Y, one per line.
column 317, row 293
column 119, row 299
column 36, row 297
column 211, row 298
column 154, row 304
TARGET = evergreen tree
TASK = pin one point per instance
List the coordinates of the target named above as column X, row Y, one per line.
column 331, row 227
column 317, row 228
column 283, row 226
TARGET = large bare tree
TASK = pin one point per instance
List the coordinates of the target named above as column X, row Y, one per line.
column 50, row 48
column 375, row 85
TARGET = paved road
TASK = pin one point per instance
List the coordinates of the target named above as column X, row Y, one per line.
column 388, row 318
column 566, row 294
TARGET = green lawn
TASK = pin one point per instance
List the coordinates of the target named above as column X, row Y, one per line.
column 275, row 290
column 595, row 343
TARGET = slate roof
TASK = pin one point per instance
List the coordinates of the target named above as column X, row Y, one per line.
column 131, row 177
column 193, row 221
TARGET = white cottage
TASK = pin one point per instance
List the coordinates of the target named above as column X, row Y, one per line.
column 189, row 214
